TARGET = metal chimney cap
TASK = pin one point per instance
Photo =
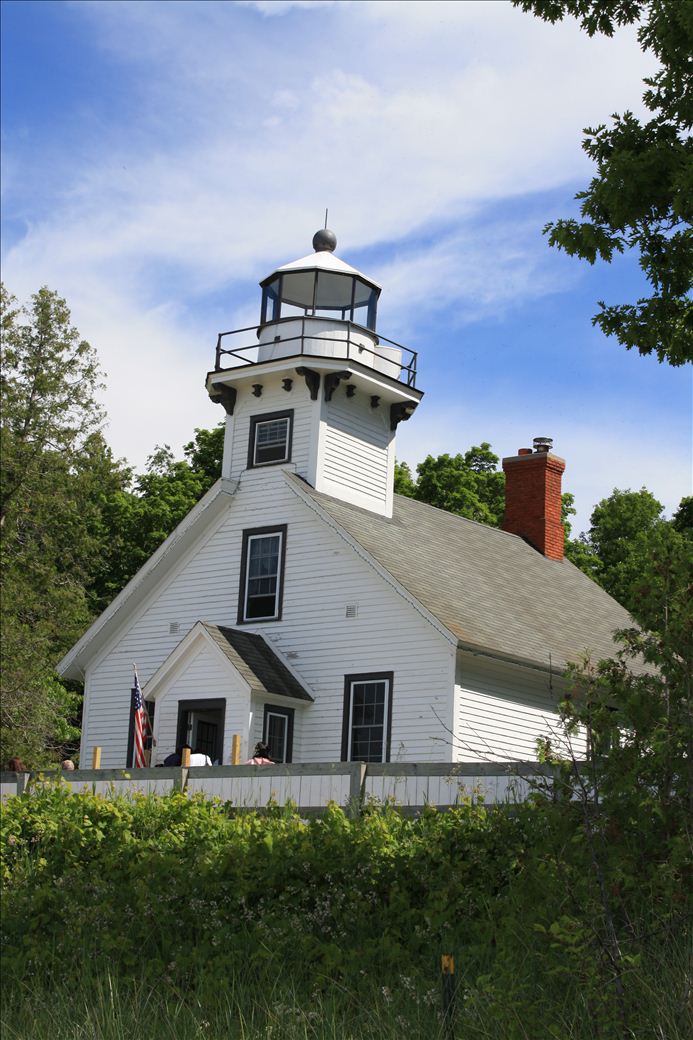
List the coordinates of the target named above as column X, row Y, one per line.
column 324, row 240
column 542, row 444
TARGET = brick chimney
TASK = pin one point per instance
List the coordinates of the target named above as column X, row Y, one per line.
column 533, row 497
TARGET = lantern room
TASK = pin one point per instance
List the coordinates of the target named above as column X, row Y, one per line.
column 320, row 286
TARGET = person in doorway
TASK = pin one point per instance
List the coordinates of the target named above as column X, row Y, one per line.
column 174, row 759
column 198, row 758
column 262, row 756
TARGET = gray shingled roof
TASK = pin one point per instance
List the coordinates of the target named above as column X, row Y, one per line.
column 489, row 588
column 257, row 663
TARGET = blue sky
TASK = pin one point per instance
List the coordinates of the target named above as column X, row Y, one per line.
column 161, row 158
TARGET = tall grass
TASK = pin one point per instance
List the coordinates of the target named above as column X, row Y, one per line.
column 299, row 1006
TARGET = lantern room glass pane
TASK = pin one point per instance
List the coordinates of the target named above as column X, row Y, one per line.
column 334, row 291
column 365, row 305
column 270, row 302
column 297, row 290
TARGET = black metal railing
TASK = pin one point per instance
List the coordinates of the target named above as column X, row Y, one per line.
column 404, row 370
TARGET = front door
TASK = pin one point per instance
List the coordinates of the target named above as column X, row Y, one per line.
column 201, row 725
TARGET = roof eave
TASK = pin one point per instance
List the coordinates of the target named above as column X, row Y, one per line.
column 549, row 666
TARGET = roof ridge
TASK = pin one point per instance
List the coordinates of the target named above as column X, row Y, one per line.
column 464, row 519
column 456, row 516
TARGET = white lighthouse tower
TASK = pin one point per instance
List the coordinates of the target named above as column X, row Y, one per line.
column 315, row 387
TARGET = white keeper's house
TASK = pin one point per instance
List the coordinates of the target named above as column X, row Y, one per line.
column 302, row 602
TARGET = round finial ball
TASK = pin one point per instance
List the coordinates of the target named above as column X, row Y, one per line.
column 324, row 239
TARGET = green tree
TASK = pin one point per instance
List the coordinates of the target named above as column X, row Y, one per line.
column 56, row 469
column 141, row 518
column 144, row 517
column 682, row 520
column 205, row 452
column 404, row 482
column 621, row 526
column 50, row 382
column 641, row 197
column 633, row 789
column 468, row 484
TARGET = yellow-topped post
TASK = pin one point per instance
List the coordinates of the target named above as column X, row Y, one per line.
column 235, row 750
column 447, row 965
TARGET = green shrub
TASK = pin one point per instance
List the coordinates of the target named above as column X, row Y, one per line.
column 188, row 896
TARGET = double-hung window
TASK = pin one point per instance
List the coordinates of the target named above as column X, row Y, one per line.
column 367, row 722
column 262, row 574
column 270, row 438
column 278, row 731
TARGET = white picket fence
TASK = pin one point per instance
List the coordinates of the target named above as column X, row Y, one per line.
column 409, row 786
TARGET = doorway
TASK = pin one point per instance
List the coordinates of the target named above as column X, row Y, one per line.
column 201, row 725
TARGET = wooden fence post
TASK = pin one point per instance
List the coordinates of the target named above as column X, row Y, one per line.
column 96, row 758
column 235, row 750
column 185, row 758
column 356, row 787
column 447, row 964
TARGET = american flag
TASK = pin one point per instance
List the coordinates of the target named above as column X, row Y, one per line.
column 141, row 723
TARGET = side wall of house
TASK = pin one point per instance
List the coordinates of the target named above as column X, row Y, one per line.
column 356, row 451
column 323, row 575
column 501, row 709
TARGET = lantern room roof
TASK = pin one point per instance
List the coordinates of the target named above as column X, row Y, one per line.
column 321, row 261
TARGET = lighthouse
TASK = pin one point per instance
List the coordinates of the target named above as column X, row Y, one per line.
column 302, row 603
column 315, row 386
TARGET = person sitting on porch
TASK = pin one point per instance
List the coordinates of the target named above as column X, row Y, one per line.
column 262, row 756
column 174, row 758
column 198, row 758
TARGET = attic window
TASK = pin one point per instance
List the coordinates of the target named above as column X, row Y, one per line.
column 269, row 442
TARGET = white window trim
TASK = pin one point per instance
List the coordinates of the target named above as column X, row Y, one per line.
column 287, row 441
column 285, row 718
column 386, row 712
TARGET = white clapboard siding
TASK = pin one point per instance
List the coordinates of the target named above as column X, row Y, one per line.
column 502, row 709
column 274, row 399
column 356, row 446
column 205, row 675
column 323, row 574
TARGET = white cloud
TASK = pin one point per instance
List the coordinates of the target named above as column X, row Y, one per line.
column 469, row 275
column 279, row 7
column 398, row 116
